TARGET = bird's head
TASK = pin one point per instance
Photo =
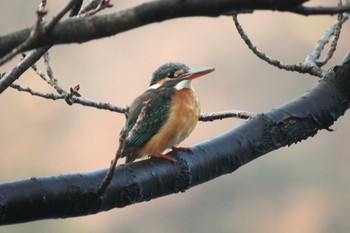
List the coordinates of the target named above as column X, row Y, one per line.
column 176, row 75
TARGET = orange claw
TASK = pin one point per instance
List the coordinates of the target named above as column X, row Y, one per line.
column 173, row 149
column 161, row 156
column 185, row 149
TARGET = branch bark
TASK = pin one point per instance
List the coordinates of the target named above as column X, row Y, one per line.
column 74, row 194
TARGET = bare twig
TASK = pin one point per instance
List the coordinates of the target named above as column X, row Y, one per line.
column 311, row 59
column 49, row 77
column 99, row 105
column 52, row 80
column 333, row 46
column 334, row 31
column 342, row 18
column 37, row 93
column 39, row 72
column 72, row 99
column 109, row 175
column 302, row 68
column 212, row 116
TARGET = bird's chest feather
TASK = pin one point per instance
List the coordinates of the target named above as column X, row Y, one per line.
column 183, row 117
column 184, row 112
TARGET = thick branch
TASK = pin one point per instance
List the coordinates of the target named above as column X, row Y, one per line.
column 74, row 195
column 82, row 29
column 320, row 10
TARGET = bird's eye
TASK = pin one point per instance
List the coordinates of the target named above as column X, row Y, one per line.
column 171, row 75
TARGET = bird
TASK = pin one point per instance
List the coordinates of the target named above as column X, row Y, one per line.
column 161, row 117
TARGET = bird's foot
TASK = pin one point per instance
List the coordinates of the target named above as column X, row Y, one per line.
column 185, row 149
column 161, row 156
column 173, row 149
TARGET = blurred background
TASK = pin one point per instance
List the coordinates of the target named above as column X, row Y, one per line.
column 301, row 188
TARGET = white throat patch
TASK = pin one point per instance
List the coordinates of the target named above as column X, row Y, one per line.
column 154, row 86
column 184, row 84
column 181, row 85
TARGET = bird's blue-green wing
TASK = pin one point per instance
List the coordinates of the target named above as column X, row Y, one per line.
column 147, row 114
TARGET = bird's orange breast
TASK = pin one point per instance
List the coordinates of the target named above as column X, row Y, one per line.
column 183, row 117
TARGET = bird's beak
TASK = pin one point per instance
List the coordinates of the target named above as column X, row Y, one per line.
column 195, row 73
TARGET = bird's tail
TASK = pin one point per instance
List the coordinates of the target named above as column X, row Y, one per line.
column 109, row 175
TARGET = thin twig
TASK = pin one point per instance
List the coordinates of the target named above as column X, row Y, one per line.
column 39, row 72
column 332, row 47
column 52, row 80
column 109, row 175
column 302, row 68
column 98, row 105
column 49, row 76
column 334, row 31
column 342, row 18
column 73, row 99
column 212, row 116
column 51, row 96
column 311, row 59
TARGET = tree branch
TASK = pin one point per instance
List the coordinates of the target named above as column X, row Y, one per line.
column 301, row 68
column 82, row 29
column 75, row 194
column 320, row 10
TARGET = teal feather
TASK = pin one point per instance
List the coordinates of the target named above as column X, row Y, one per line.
column 135, row 135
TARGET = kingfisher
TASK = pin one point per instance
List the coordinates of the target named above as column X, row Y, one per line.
column 160, row 118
